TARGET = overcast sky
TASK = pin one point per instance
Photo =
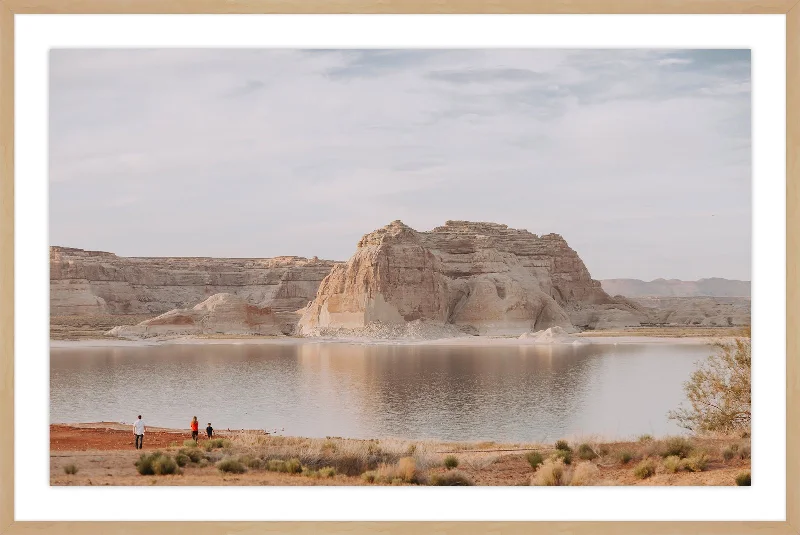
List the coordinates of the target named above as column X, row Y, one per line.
column 641, row 159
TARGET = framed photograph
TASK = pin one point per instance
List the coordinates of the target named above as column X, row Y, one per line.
column 311, row 266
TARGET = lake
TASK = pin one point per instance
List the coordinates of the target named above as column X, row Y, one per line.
column 499, row 393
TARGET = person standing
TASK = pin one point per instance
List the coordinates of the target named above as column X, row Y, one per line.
column 138, row 432
column 209, row 430
column 195, row 427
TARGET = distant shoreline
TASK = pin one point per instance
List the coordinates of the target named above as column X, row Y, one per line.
column 595, row 338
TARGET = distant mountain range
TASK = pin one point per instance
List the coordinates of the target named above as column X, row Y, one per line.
column 714, row 287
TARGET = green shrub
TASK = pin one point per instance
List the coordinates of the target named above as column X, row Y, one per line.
column 534, row 459
column 646, row 438
column 189, row 443
column 696, row 463
column 327, row 471
column 292, row 466
column 156, row 463
column 310, row 473
column 397, row 481
column 562, row 445
column 452, row 478
column 70, row 469
column 450, row 462
column 586, row 453
column 182, row 460
column 202, row 463
column 645, row 469
column 672, row 464
column 412, row 449
column 232, row 466
column 743, row 479
column 369, row 476
column 625, row 457
column 217, row 443
column 677, row 446
column 194, row 454
column 564, row 455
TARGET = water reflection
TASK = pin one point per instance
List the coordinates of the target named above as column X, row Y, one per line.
column 312, row 389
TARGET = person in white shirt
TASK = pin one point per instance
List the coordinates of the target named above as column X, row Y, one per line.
column 138, row 432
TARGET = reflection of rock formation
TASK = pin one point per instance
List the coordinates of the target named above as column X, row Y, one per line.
column 93, row 282
column 483, row 277
column 219, row 314
column 416, row 391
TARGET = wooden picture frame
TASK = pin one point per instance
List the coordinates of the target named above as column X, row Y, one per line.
column 10, row 8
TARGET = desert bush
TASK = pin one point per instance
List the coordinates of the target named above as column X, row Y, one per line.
column 564, row 455
column 232, row 466
column 405, row 470
column 202, row 463
column 719, row 392
column 216, row 443
column 729, row 453
column 369, row 476
column 696, row 463
column 189, row 443
column 743, row 479
column 744, row 452
column 584, row 474
column 292, row 466
column 586, row 453
column 552, row 473
column 70, row 469
column 254, row 463
column 327, row 471
column 451, row 478
column 194, row 454
column 182, row 460
column 625, row 457
column 307, row 472
column 645, row 438
column 450, row 462
column 676, row 446
column 645, row 469
column 672, row 464
column 562, row 445
column 156, row 463
column 534, row 459
column 412, row 449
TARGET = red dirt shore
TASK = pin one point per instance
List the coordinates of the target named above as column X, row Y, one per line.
column 71, row 438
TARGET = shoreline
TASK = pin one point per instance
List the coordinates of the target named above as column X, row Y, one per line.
column 465, row 341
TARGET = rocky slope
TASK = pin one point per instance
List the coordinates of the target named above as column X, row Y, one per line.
column 99, row 283
column 484, row 278
column 221, row 313
column 713, row 287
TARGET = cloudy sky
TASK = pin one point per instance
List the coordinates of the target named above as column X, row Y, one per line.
column 641, row 159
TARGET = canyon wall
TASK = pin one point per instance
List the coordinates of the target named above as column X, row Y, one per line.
column 100, row 283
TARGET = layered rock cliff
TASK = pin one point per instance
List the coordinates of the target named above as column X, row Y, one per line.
column 221, row 313
column 95, row 283
column 484, row 278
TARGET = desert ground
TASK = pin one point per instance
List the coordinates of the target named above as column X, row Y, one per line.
column 103, row 454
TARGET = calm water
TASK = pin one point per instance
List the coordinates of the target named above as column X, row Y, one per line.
column 452, row 393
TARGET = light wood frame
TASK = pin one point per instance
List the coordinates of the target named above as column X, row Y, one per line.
column 8, row 8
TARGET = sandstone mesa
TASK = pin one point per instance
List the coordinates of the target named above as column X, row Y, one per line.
column 457, row 279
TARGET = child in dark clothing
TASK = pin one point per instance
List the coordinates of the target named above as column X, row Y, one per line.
column 209, row 430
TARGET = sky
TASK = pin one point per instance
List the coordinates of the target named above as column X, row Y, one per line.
column 640, row 158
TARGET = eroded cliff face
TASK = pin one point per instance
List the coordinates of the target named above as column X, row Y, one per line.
column 484, row 278
column 221, row 313
column 94, row 282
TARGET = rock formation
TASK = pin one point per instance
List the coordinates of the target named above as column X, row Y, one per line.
column 484, row 278
column 94, row 282
column 221, row 313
